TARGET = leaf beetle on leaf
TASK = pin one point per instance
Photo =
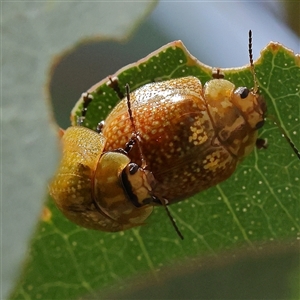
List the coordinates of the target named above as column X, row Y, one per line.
column 162, row 143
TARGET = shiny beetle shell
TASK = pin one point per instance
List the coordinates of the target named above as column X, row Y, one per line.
column 192, row 136
column 96, row 189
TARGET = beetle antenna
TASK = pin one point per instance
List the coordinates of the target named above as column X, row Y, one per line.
column 136, row 133
column 164, row 202
column 284, row 134
column 87, row 99
column 137, row 139
column 255, row 88
column 173, row 222
column 276, row 122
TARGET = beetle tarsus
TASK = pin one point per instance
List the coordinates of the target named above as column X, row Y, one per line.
column 114, row 84
column 87, row 99
column 100, row 126
column 261, row 143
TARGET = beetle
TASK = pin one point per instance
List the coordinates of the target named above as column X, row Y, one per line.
column 102, row 190
column 97, row 189
column 162, row 143
column 192, row 136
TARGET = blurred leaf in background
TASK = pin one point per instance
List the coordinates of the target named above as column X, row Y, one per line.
column 32, row 34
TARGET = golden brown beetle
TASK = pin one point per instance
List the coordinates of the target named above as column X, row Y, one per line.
column 192, row 137
column 93, row 189
column 100, row 190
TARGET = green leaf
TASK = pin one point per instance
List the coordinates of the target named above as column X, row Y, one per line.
column 257, row 206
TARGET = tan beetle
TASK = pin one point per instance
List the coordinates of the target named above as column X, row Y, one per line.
column 192, row 137
column 100, row 190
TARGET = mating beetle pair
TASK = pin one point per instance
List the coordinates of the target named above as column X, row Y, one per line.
column 161, row 144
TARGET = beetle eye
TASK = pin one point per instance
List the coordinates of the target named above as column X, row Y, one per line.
column 133, row 168
column 243, row 92
column 260, row 124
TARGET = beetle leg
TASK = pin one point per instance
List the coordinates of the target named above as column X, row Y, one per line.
column 87, row 98
column 261, row 143
column 100, row 126
column 114, row 84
